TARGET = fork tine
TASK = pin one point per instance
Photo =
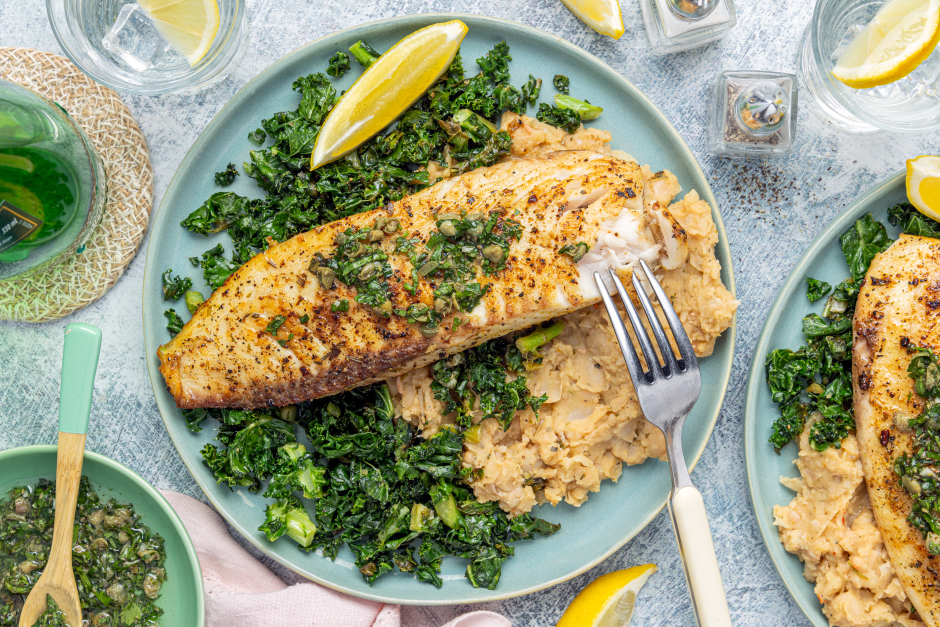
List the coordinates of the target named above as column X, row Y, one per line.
column 671, row 367
column 652, row 360
column 620, row 330
column 678, row 331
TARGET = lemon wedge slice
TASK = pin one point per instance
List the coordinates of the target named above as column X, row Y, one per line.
column 899, row 38
column 189, row 25
column 602, row 15
column 923, row 185
column 607, row 601
column 387, row 88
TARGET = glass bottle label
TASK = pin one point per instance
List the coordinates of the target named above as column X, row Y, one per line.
column 15, row 225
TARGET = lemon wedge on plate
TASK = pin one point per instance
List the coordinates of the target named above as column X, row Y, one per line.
column 189, row 25
column 601, row 15
column 387, row 88
column 607, row 601
column 923, row 185
column 899, row 38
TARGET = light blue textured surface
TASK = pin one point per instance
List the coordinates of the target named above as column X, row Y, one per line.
column 771, row 209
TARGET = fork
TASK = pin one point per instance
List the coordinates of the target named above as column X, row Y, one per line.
column 667, row 392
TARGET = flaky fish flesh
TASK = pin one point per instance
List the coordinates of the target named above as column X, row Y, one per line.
column 227, row 355
column 898, row 308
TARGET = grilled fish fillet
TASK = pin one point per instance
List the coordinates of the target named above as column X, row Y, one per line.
column 223, row 357
column 898, row 306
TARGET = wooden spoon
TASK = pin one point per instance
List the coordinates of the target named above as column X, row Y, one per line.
column 79, row 363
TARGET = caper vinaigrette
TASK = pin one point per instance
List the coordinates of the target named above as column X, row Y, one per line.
column 448, row 260
column 918, row 471
column 118, row 562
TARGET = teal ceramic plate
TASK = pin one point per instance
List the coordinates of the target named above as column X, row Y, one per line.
column 822, row 260
column 181, row 597
column 588, row 534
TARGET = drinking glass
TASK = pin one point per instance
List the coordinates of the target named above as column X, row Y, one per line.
column 909, row 105
column 52, row 183
column 116, row 44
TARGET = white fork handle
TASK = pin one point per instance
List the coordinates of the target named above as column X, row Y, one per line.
column 690, row 523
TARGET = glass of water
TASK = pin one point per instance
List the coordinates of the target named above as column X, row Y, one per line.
column 115, row 43
column 909, row 105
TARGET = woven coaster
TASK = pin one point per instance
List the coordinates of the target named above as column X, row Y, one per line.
column 76, row 282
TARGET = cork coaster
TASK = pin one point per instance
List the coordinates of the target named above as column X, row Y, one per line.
column 76, row 282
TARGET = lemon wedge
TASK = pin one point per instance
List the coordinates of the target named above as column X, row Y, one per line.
column 387, row 88
column 899, row 38
column 189, row 25
column 601, row 15
column 923, row 185
column 607, row 601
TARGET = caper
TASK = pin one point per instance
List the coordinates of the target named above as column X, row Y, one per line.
column 475, row 231
column 428, row 268
column 911, row 485
column 314, row 264
column 360, row 248
column 386, row 308
column 441, row 306
column 368, row 271
column 475, row 217
column 448, row 216
column 493, row 253
column 447, row 228
column 333, row 410
column 118, row 593
column 380, row 223
column 902, row 420
column 326, row 276
column 340, row 238
column 455, row 360
column 376, row 235
column 391, row 227
column 931, row 376
column 428, row 330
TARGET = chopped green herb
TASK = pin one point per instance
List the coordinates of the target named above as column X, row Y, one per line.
column 226, row 177
column 816, row 289
column 340, row 305
column 174, row 287
column 339, row 63
column 576, row 251
column 304, row 319
column 561, row 83
column 275, row 324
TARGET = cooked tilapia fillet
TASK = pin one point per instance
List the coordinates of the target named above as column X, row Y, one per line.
column 898, row 306
column 224, row 357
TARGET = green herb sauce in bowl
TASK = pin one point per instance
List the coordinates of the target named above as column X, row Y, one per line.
column 181, row 594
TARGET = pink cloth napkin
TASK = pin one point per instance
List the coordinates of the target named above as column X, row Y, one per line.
column 242, row 592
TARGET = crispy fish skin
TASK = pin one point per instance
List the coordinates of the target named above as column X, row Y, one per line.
column 898, row 306
column 223, row 357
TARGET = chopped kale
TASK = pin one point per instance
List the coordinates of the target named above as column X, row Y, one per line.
column 816, row 289
column 193, row 300
column 339, row 63
column 226, row 177
column 174, row 324
column 584, row 109
column 369, row 481
column 495, row 63
column 566, row 119
column 862, row 242
column 257, row 136
column 912, row 221
column 174, row 287
column 364, row 53
column 215, row 267
column 561, row 83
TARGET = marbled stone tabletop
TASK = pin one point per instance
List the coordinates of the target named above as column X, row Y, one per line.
column 772, row 210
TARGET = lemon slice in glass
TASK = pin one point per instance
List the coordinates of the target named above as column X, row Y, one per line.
column 387, row 88
column 923, row 185
column 189, row 25
column 899, row 38
column 607, row 601
column 601, row 15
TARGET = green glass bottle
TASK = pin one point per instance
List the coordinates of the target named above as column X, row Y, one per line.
column 52, row 183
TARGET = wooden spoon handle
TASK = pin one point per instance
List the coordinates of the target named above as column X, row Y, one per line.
column 68, row 475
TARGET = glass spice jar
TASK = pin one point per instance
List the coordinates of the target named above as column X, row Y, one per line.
column 752, row 114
